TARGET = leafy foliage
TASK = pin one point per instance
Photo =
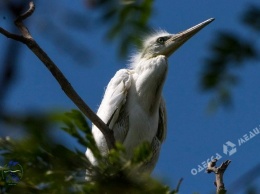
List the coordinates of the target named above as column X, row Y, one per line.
column 251, row 18
column 128, row 19
column 230, row 51
column 51, row 167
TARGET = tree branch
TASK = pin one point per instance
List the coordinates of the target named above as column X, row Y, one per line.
column 19, row 21
column 12, row 36
column 176, row 191
column 219, row 171
column 28, row 40
column 27, row 14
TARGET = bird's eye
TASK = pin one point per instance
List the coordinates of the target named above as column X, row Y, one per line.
column 161, row 40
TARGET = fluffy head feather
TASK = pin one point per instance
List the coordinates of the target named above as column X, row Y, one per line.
column 150, row 47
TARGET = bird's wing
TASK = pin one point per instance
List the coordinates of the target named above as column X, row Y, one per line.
column 158, row 139
column 109, row 110
column 115, row 97
column 162, row 126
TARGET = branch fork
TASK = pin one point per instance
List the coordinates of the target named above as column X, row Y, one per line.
column 28, row 40
column 219, row 172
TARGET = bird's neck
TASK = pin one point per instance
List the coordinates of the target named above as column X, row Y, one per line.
column 150, row 75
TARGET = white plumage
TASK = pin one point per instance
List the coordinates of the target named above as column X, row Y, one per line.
column 133, row 105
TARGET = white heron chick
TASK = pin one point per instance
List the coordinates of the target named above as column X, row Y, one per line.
column 133, row 105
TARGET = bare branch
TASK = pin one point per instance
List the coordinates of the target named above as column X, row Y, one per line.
column 178, row 186
column 28, row 40
column 27, row 14
column 219, row 171
column 12, row 36
column 19, row 21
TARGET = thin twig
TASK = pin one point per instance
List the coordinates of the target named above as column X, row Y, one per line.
column 19, row 23
column 28, row 40
column 27, row 14
column 178, row 185
column 219, row 172
column 12, row 36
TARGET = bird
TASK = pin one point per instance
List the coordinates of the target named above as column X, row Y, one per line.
column 133, row 105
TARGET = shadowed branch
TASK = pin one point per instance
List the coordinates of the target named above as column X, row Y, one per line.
column 28, row 40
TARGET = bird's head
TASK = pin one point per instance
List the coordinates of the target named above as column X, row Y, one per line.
column 163, row 43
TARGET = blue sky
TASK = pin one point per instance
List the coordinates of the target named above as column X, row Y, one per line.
column 194, row 135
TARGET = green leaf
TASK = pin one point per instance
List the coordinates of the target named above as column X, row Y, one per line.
column 142, row 153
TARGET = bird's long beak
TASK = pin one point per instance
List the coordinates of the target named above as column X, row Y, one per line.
column 180, row 38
